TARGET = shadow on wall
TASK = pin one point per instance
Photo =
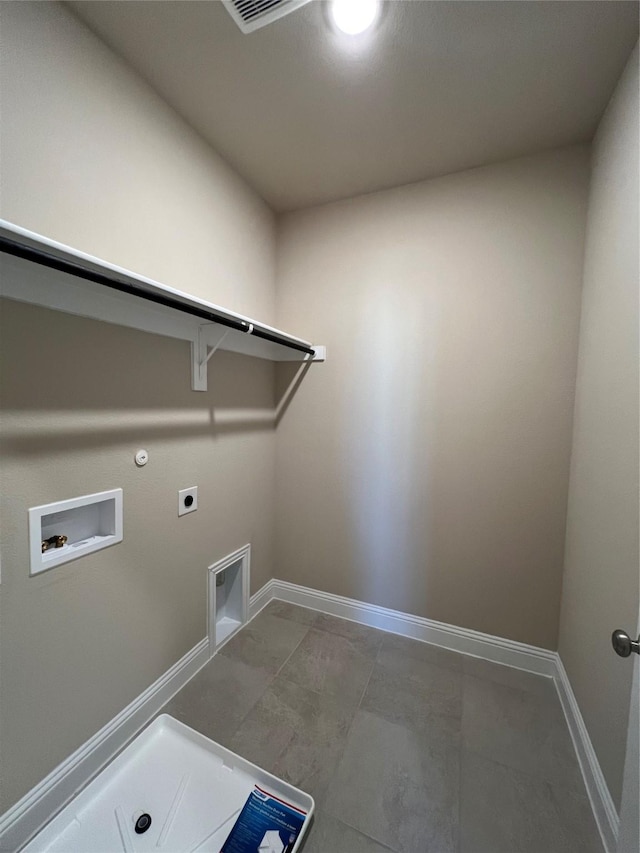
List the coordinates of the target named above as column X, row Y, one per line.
column 87, row 384
column 289, row 376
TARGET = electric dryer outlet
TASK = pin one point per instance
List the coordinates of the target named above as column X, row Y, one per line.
column 187, row 500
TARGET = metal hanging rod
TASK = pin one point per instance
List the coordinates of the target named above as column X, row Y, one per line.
column 38, row 256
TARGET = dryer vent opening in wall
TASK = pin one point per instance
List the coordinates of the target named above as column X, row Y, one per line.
column 250, row 15
column 228, row 589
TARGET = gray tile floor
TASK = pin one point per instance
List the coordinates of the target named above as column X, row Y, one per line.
column 404, row 746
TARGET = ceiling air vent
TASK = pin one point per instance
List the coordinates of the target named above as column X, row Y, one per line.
column 250, row 15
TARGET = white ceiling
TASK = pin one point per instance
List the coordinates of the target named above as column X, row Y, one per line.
column 306, row 116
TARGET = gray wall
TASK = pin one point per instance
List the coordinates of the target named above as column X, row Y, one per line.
column 93, row 158
column 425, row 467
column 600, row 590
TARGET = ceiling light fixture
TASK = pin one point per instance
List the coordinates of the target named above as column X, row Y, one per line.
column 354, row 16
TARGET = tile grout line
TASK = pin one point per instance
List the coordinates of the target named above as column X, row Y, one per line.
column 285, row 662
column 460, row 755
column 365, row 834
column 538, row 779
column 509, row 686
column 244, row 717
column 366, row 686
column 286, row 680
column 348, row 733
column 275, row 674
column 357, row 706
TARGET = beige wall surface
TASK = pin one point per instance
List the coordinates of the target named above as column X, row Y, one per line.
column 600, row 589
column 425, row 468
column 91, row 157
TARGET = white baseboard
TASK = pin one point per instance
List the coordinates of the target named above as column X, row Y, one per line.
column 604, row 811
column 29, row 814
column 466, row 641
column 261, row 598
column 38, row 806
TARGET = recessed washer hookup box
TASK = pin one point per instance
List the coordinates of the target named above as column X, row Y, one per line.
column 174, row 790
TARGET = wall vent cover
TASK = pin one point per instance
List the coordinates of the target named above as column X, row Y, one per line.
column 250, row 15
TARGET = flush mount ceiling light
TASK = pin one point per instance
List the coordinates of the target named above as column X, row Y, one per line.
column 354, row 16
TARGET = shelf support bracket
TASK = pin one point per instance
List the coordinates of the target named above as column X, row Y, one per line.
column 200, row 354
